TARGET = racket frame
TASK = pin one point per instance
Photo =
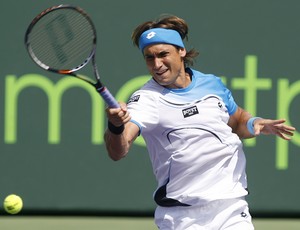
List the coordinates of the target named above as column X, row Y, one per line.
column 104, row 92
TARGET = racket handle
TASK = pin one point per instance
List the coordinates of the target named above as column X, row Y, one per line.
column 108, row 98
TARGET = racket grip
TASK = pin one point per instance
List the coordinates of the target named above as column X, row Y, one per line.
column 108, row 98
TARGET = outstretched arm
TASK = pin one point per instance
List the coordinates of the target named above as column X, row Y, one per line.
column 275, row 127
column 239, row 122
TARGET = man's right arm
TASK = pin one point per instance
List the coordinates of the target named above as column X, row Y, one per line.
column 118, row 145
column 120, row 133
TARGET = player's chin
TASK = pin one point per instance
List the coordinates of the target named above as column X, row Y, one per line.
column 162, row 82
column 162, row 79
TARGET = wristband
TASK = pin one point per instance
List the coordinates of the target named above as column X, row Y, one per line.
column 114, row 129
column 250, row 125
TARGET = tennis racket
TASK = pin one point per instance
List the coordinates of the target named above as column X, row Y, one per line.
column 62, row 39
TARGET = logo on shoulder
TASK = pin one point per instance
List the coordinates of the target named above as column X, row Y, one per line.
column 134, row 99
column 190, row 111
column 243, row 214
column 220, row 105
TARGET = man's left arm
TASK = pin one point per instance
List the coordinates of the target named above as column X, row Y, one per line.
column 246, row 126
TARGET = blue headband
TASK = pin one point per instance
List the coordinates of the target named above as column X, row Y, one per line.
column 160, row 35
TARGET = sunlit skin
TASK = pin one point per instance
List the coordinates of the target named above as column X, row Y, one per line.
column 166, row 66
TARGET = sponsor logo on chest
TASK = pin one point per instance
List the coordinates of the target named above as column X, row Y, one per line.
column 190, row 111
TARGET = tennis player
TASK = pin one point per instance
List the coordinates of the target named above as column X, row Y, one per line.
column 193, row 129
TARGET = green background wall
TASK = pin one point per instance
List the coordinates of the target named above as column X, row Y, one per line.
column 253, row 44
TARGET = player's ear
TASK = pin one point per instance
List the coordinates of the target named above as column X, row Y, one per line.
column 182, row 52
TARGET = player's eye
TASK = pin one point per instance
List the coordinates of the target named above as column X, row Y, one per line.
column 149, row 57
column 163, row 54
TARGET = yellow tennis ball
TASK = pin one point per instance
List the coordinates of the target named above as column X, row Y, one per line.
column 13, row 204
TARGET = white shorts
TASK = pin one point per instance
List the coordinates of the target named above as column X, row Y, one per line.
column 230, row 214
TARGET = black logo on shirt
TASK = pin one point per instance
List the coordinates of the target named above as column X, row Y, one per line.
column 220, row 105
column 243, row 214
column 190, row 111
column 134, row 99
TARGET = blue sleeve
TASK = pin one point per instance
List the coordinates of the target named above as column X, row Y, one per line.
column 228, row 98
column 231, row 105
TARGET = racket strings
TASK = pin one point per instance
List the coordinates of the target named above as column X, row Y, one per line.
column 63, row 39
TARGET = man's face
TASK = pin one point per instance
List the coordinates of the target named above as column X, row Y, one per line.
column 165, row 64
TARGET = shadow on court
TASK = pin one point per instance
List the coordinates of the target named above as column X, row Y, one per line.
column 115, row 223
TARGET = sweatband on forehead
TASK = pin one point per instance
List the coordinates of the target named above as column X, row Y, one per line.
column 160, row 35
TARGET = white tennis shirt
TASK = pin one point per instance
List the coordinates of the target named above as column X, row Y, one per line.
column 195, row 156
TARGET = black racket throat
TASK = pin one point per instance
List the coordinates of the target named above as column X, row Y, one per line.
column 100, row 87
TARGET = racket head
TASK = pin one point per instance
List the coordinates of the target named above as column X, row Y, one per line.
column 61, row 39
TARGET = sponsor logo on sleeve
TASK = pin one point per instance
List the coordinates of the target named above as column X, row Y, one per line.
column 134, row 99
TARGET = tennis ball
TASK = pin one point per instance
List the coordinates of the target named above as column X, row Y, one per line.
column 13, row 204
